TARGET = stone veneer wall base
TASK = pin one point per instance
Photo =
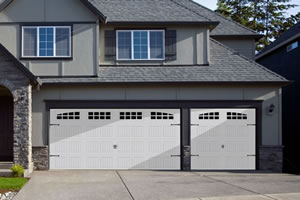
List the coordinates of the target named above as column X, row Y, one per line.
column 271, row 158
column 40, row 157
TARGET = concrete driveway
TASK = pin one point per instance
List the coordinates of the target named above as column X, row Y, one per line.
column 156, row 185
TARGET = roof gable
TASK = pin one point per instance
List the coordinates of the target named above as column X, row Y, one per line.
column 18, row 65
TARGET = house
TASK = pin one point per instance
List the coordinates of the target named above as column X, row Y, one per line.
column 126, row 84
column 283, row 57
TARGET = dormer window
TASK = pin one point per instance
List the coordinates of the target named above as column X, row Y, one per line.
column 140, row 45
column 46, row 41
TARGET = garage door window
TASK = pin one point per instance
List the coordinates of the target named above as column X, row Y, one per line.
column 131, row 115
column 161, row 115
column 236, row 116
column 99, row 115
column 68, row 116
column 211, row 115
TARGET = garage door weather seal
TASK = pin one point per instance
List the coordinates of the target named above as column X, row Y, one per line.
column 125, row 185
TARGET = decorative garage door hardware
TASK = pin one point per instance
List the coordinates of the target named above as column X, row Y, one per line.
column 54, row 124
column 175, row 124
column 54, row 155
column 126, row 139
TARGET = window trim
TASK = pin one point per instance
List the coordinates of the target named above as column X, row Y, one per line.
column 54, row 42
column 132, row 45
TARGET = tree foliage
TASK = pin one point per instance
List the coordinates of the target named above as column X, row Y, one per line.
column 267, row 17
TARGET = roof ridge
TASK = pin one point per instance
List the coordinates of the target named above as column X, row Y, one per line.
column 218, row 14
column 248, row 59
column 183, row 6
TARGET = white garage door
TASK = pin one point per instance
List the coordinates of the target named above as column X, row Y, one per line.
column 223, row 139
column 114, row 139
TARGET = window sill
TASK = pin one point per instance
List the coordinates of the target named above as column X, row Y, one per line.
column 46, row 58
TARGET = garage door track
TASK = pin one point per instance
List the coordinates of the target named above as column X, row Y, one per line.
column 156, row 185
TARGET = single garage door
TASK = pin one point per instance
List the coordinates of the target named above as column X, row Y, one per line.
column 223, row 139
column 114, row 139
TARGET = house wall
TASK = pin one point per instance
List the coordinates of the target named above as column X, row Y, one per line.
column 287, row 64
column 271, row 124
column 192, row 45
column 52, row 12
column 245, row 47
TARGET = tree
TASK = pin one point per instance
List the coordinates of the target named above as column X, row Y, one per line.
column 267, row 17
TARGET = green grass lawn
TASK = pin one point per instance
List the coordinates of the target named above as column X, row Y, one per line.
column 14, row 184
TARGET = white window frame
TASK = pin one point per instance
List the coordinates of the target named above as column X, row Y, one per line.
column 292, row 46
column 54, row 42
column 132, row 45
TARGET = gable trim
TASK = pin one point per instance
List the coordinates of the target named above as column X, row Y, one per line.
column 19, row 65
column 94, row 10
column 4, row 4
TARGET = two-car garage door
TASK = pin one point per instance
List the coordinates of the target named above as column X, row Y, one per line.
column 114, row 139
column 150, row 139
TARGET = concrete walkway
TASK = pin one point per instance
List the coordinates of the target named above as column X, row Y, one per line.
column 156, row 185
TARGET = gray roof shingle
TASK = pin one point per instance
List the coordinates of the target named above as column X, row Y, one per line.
column 165, row 11
column 226, row 26
column 226, row 66
column 145, row 11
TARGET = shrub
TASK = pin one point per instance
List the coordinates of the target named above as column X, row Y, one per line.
column 17, row 170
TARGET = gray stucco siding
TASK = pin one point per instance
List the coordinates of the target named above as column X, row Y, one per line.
column 84, row 61
column 271, row 124
column 46, row 11
column 192, row 45
column 245, row 47
column 85, row 33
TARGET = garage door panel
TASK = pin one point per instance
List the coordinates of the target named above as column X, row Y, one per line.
column 223, row 138
column 125, row 138
column 99, row 147
column 99, row 162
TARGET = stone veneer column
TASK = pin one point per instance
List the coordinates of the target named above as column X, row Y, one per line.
column 23, row 127
column 271, row 158
column 19, row 85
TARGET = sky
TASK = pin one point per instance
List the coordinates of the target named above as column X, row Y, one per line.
column 212, row 5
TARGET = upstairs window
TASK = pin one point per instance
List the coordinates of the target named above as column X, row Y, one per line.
column 140, row 45
column 292, row 46
column 46, row 41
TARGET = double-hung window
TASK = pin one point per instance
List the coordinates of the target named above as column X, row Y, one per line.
column 46, row 41
column 140, row 45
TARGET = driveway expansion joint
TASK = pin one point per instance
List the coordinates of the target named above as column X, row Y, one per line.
column 131, row 196
column 257, row 193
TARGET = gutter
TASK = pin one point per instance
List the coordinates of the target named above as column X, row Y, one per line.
column 237, row 83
